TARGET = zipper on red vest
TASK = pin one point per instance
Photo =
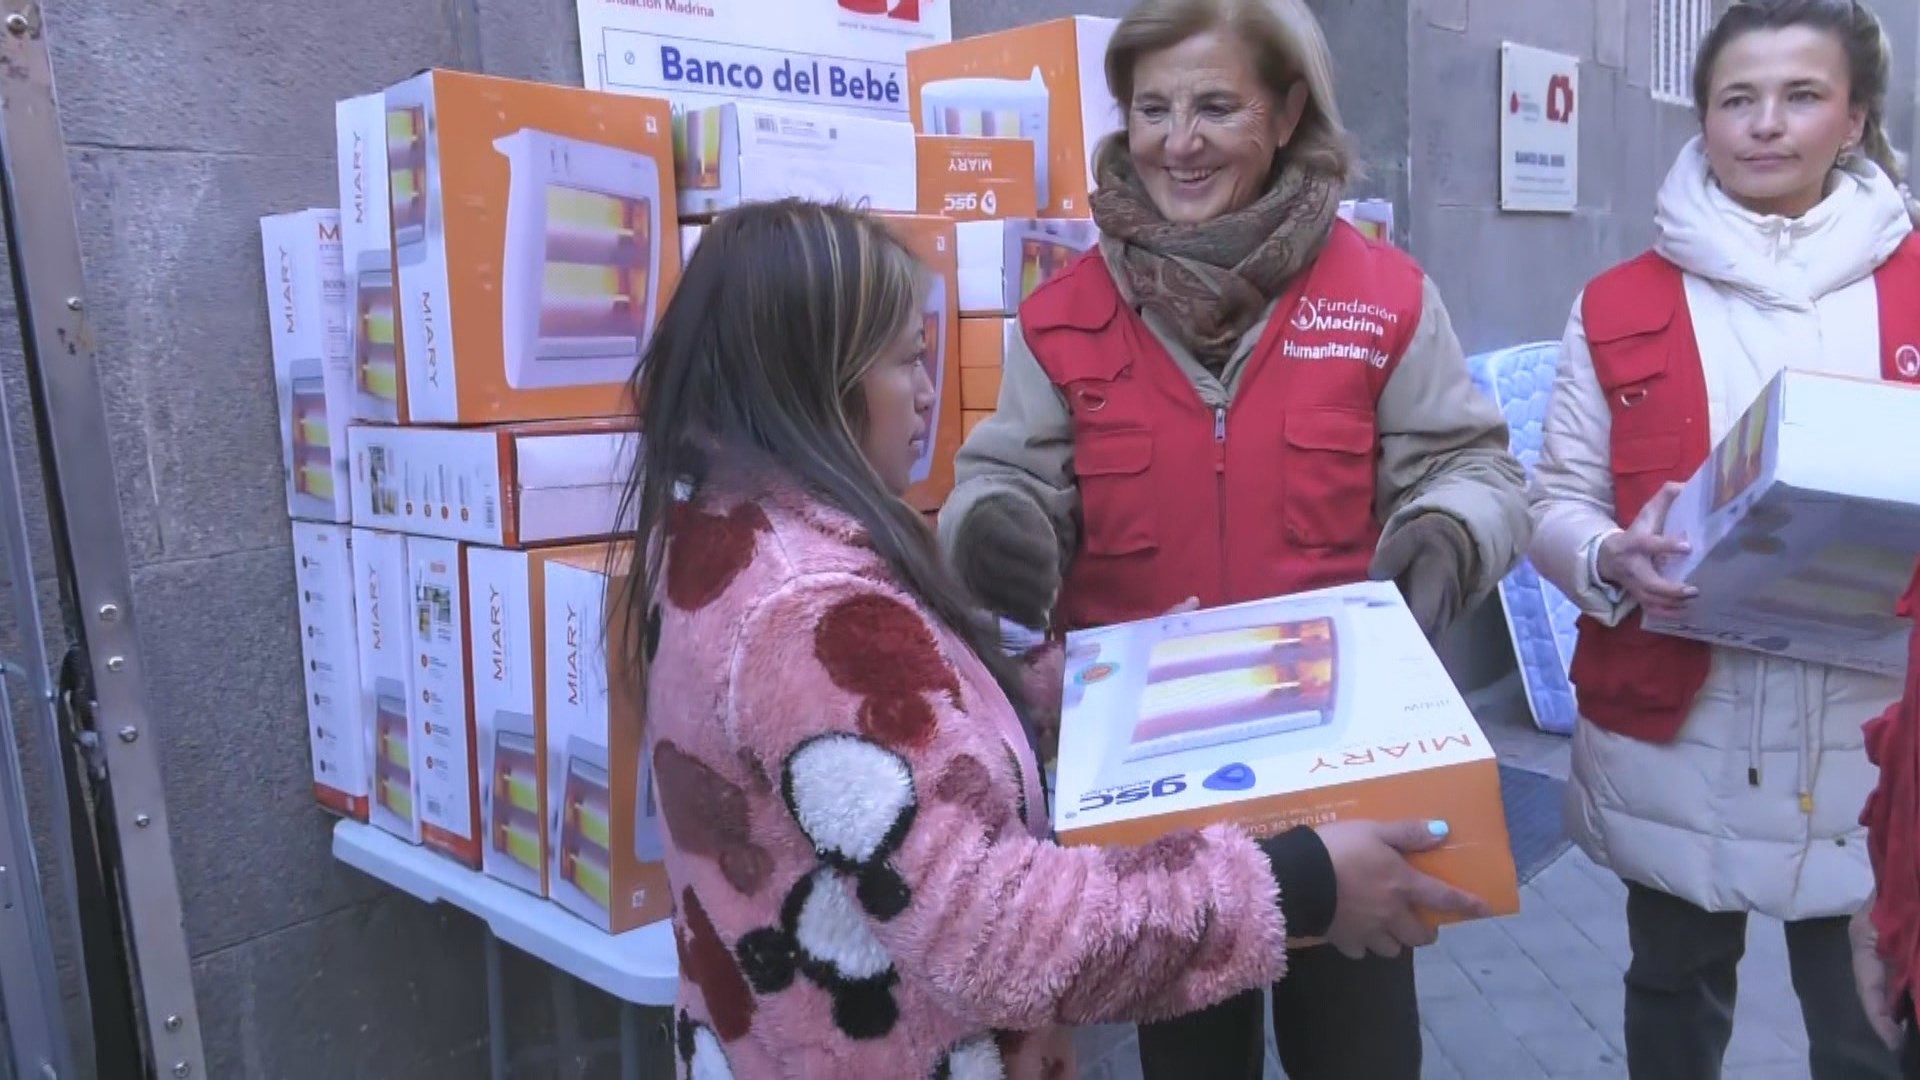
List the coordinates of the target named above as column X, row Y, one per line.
column 1220, row 491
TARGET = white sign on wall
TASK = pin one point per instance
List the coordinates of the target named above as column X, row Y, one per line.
column 843, row 55
column 1539, row 130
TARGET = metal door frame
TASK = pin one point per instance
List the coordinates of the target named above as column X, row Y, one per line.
column 89, row 535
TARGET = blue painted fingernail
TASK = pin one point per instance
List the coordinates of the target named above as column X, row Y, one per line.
column 1438, row 829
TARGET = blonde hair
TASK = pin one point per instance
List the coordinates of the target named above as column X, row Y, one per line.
column 1288, row 46
column 1869, row 65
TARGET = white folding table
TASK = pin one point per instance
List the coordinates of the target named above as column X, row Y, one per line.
column 640, row 968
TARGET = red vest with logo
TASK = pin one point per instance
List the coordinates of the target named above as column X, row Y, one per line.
column 1270, row 495
column 1628, row 680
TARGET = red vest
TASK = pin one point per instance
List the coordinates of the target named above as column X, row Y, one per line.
column 1270, row 495
column 1630, row 681
column 1892, row 817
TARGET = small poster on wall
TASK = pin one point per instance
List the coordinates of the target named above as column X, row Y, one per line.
column 1539, row 130
column 845, row 56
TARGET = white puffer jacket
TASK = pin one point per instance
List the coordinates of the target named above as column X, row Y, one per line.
column 1754, row 807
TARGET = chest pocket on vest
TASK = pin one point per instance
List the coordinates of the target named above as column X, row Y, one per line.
column 1328, row 474
column 1648, row 444
column 1116, row 501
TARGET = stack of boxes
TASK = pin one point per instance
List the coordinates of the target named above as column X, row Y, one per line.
column 452, row 349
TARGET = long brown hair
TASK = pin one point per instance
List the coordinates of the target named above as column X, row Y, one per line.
column 1869, row 63
column 757, row 361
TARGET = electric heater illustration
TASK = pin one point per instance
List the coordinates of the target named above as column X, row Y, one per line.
column 649, row 842
column 1738, row 460
column 1041, row 254
column 582, row 819
column 699, row 154
column 383, row 481
column 392, row 762
column 580, row 277
column 312, row 440
column 407, row 180
column 512, row 800
column 376, row 368
column 1227, row 686
column 992, row 108
column 933, row 316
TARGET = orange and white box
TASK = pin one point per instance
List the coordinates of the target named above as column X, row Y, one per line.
column 534, row 233
column 742, row 152
column 1302, row 710
column 366, row 247
column 607, row 840
column 1803, row 525
column 975, row 179
column 1003, row 262
column 1045, row 83
column 383, row 619
column 323, row 576
column 1373, row 217
column 507, row 624
column 514, row 485
column 449, row 795
column 931, row 241
column 983, row 350
column 689, row 239
column 312, row 364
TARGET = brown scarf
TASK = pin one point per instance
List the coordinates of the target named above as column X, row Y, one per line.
column 1208, row 283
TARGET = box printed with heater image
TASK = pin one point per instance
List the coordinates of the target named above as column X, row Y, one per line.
column 535, row 241
column 330, row 666
column 969, row 178
column 1044, row 83
column 1003, row 262
column 1804, row 524
column 510, row 485
column 443, row 689
column 366, row 243
column 743, row 152
column 383, row 616
column 1301, row 710
column 931, row 241
column 605, row 841
column 507, row 625
column 312, row 365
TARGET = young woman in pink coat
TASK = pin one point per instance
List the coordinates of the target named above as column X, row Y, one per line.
column 857, row 839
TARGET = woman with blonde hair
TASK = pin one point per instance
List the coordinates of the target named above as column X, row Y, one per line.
column 1719, row 782
column 1238, row 396
column 856, row 836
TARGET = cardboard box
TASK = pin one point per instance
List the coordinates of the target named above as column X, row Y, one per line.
column 1045, row 83
column 514, row 485
column 1302, row 710
column 979, row 389
column 330, row 666
column 1002, row 262
column 383, row 618
column 506, row 619
column 533, row 229
column 1373, row 217
column 970, row 420
column 1802, row 544
column 689, row 239
column 975, row 179
column 744, row 152
column 449, row 781
column 366, row 246
column 607, row 840
column 983, row 341
column 931, row 240
column 312, row 360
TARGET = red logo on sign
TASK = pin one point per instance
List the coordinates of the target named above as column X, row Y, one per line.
column 1560, row 99
column 902, row 10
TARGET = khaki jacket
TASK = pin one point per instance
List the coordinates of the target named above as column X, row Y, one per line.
column 1443, row 445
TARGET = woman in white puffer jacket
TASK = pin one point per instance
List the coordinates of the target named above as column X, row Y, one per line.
column 1719, row 783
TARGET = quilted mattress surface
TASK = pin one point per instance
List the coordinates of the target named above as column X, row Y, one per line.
column 1539, row 617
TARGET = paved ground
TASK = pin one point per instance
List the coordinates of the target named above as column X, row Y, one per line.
column 1539, row 995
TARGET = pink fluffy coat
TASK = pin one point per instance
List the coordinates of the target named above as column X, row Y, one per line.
column 857, row 841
